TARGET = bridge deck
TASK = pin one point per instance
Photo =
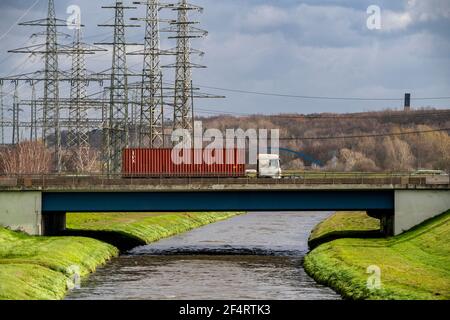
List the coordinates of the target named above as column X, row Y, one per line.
column 269, row 200
column 105, row 183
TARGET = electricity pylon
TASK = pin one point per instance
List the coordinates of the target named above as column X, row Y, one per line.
column 16, row 115
column 51, row 129
column 183, row 115
column 151, row 122
column 78, row 132
column 33, row 105
column 118, row 115
column 2, row 115
column 78, row 136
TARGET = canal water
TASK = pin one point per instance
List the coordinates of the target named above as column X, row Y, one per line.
column 253, row 256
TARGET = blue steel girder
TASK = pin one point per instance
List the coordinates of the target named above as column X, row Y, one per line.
column 304, row 200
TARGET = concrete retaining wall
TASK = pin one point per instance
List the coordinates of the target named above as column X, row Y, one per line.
column 21, row 211
column 413, row 207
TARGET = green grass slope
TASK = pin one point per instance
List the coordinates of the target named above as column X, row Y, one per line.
column 39, row 267
column 144, row 227
column 414, row 265
column 345, row 221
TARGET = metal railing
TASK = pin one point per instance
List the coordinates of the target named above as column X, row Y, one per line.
column 55, row 181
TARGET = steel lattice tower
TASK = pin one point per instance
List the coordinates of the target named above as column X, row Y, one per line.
column 105, row 131
column 118, row 123
column 183, row 94
column 16, row 111
column 78, row 137
column 51, row 130
column 33, row 128
column 151, row 132
column 2, row 115
column 78, row 133
column 51, row 85
column 78, row 110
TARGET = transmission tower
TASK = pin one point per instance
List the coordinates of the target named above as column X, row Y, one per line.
column 2, row 115
column 118, row 124
column 79, row 105
column 183, row 116
column 135, row 117
column 33, row 127
column 105, row 131
column 151, row 132
column 51, row 84
column 51, row 129
column 78, row 135
column 16, row 111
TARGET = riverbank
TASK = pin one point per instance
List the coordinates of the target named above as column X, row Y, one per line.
column 38, row 268
column 128, row 230
column 41, row 268
column 345, row 225
column 414, row 265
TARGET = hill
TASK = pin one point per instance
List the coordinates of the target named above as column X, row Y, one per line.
column 387, row 148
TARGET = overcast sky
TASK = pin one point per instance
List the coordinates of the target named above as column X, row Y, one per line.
column 313, row 48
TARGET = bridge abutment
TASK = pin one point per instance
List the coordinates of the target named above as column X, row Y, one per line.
column 22, row 211
column 412, row 207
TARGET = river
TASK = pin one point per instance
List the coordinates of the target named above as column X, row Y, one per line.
column 253, row 256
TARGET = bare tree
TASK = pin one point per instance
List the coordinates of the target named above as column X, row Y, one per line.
column 26, row 158
column 82, row 161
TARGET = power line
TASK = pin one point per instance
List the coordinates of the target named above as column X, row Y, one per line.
column 19, row 20
column 272, row 94
column 365, row 136
column 372, row 115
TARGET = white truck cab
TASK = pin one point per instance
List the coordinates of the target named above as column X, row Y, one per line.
column 269, row 166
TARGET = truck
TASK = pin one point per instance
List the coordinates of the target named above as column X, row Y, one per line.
column 269, row 166
column 147, row 163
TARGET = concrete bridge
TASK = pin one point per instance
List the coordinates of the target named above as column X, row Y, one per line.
column 38, row 205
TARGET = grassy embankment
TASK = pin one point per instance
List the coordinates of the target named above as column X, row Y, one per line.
column 128, row 230
column 345, row 225
column 40, row 267
column 414, row 265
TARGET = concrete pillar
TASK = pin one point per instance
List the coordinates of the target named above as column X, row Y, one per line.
column 412, row 207
column 386, row 221
column 21, row 211
column 53, row 223
column 387, row 224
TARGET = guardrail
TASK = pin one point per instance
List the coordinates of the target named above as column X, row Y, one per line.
column 45, row 181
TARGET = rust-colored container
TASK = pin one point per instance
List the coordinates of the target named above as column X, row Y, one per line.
column 197, row 163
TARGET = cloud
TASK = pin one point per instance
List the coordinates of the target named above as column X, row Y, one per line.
column 428, row 10
column 392, row 21
column 266, row 16
column 416, row 12
column 308, row 47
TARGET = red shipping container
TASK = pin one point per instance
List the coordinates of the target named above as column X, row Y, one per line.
column 198, row 163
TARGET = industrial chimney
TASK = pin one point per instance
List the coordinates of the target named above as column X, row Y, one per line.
column 407, row 102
